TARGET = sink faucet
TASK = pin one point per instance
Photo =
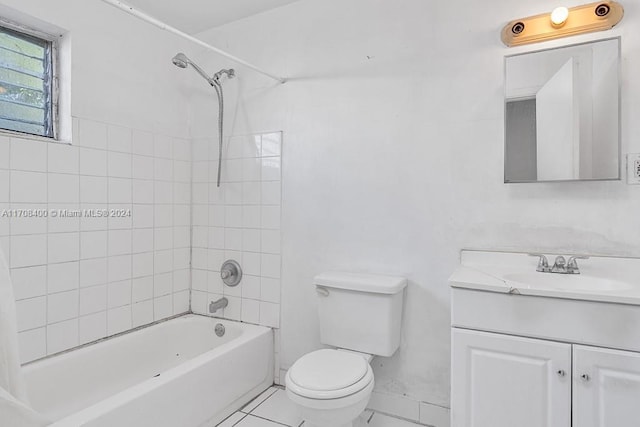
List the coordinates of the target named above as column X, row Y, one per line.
column 560, row 265
column 217, row 305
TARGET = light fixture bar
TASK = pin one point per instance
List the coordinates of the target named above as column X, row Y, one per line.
column 588, row 18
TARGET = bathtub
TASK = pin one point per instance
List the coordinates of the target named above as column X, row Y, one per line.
column 176, row 373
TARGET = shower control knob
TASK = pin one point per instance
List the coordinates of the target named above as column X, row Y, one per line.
column 231, row 273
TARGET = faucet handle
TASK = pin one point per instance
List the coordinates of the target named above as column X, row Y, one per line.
column 543, row 263
column 572, row 264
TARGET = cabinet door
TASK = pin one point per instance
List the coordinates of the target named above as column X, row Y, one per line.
column 506, row 381
column 606, row 391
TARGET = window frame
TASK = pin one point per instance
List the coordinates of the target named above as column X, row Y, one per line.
column 51, row 83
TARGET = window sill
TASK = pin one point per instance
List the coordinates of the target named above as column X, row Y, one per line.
column 12, row 134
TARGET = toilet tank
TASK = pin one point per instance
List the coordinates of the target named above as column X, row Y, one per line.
column 361, row 312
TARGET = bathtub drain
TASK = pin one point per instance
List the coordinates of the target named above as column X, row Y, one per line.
column 219, row 329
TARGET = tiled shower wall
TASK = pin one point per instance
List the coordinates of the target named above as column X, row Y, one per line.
column 80, row 278
column 240, row 220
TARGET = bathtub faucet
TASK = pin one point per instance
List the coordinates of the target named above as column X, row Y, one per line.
column 217, row 305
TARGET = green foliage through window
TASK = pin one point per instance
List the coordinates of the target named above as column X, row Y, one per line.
column 25, row 83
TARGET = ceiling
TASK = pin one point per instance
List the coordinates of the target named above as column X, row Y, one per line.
column 194, row 16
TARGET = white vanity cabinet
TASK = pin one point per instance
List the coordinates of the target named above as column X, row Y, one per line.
column 505, row 381
column 606, row 388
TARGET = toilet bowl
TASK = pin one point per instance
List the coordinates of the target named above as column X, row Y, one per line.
column 330, row 388
column 360, row 316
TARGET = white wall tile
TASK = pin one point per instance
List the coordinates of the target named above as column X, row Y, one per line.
column 142, row 216
column 142, row 313
column 181, row 149
column 63, row 158
column 93, row 244
column 63, row 188
column 62, row 306
column 142, row 143
column 270, row 217
column 119, row 165
column 28, row 155
column 93, row 189
column 271, row 193
column 142, row 191
column 5, row 186
column 233, row 216
column 119, row 139
column 250, row 311
column 215, row 285
column 23, row 223
column 5, row 152
column 233, row 239
column 63, row 247
column 28, row 187
column 31, row 313
column 270, row 314
column 199, row 302
column 251, row 193
column 93, row 272
column 163, row 192
column 63, row 277
column 162, row 307
column 93, row 162
column 93, row 300
column 29, row 282
column 251, row 240
column 92, row 327
column 119, row 242
column 270, row 265
column 142, row 240
column 251, row 169
column 163, row 238
column 163, row 215
column 270, row 241
column 119, row 294
column 181, row 171
column 119, row 320
column 142, row 288
column 62, row 336
column 181, row 193
column 270, row 290
column 142, row 167
column 252, row 263
column 119, row 268
column 33, row 344
column 251, row 287
column 28, row 251
column 181, row 280
column 163, row 169
column 92, row 134
column 180, row 302
column 233, row 311
column 142, row 264
column 163, row 146
column 120, row 190
column 251, row 216
column 162, row 284
column 199, row 280
column 91, row 221
column 232, row 170
column 63, row 218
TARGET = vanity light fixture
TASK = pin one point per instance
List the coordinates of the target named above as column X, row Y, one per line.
column 563, row 22
column 559, row 16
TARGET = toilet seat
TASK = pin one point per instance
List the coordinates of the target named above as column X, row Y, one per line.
column 329, row 374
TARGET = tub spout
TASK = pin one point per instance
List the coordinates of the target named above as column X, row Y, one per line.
column 217, row 305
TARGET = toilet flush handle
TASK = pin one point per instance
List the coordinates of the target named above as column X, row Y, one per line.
column 322, row 291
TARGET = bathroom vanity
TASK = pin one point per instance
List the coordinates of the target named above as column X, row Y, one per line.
column 533, row 349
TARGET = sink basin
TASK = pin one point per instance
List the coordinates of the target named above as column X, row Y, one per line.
column 567, row 282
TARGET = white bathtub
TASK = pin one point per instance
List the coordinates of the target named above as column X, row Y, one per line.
column 177, row 373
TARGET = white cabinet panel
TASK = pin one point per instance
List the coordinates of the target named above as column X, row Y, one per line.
column 506, row 381
column 606, row 390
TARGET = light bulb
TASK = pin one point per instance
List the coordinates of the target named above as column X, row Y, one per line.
column 559, row 16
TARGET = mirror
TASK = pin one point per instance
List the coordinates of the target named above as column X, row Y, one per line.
column 562, row 114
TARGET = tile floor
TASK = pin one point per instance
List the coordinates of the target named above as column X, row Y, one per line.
column 273, row 409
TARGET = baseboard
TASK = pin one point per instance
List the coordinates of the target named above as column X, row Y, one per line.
column 412, row 410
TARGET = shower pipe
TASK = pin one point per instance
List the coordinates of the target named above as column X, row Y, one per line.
column 151, row 20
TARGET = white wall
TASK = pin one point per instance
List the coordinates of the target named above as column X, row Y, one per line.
column 80, row 279
column 393, row 160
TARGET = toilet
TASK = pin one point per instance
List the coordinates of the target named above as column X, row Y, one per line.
column 360, row 317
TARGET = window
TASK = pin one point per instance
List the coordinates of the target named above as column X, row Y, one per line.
column 27, row 102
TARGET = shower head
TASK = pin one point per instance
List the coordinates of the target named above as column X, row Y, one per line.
column 180, row 60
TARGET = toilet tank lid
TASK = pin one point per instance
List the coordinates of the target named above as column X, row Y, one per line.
column 362, row 282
